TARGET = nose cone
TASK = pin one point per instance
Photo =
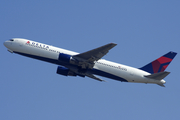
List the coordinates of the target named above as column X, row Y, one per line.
column 5, row 44
column 8, row 45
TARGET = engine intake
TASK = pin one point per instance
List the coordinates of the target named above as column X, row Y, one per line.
column 67, row 59
column 64, row 57
column 65, row 71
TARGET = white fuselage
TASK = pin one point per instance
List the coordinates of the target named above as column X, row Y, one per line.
column 106, row 68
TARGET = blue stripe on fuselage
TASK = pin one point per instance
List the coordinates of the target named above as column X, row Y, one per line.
column 105, row 74
column 40, row 58
column 93, row 71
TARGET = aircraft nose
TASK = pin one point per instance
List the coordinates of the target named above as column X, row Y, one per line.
column 5, row 44
column 8, row 44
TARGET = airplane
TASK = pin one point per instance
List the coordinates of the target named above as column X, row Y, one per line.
column 90, row 63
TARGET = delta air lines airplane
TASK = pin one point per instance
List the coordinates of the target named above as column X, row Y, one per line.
column 90, row 63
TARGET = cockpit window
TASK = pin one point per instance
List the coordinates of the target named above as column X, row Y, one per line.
column 11, row 40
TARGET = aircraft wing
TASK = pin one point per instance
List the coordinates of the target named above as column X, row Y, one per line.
column 94, row 77
column 75, row 71
column 86, row 59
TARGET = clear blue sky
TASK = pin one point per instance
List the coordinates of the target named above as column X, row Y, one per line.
column 144, row 30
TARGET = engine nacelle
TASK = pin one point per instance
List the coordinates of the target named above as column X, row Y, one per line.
column 65, row 71
column 67, row 59
column 64, row 57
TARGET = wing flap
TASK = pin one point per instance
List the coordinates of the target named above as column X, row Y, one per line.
column 94, row 77
column 83, row 73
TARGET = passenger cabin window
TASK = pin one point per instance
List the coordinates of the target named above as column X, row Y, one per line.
column 11, row 40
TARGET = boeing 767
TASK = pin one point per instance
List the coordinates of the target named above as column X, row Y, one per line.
column 90, row 63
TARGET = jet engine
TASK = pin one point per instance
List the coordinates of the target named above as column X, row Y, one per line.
column 65, row 71
column 67, row 59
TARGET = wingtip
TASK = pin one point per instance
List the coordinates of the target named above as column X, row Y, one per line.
column 162, row 85
column 113, row 43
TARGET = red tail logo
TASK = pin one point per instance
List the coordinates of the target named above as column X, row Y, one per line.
column 160, row 64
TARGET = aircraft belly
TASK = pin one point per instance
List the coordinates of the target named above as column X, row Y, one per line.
column 108, row 72
column 137, row 76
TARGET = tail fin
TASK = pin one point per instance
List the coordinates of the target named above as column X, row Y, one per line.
column 160, row 64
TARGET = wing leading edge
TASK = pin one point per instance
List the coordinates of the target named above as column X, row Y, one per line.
column 86, row 59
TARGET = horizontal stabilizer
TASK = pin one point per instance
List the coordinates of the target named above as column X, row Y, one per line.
column 158, row 76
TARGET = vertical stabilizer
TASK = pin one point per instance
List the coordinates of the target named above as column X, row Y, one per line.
column 160, row 64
